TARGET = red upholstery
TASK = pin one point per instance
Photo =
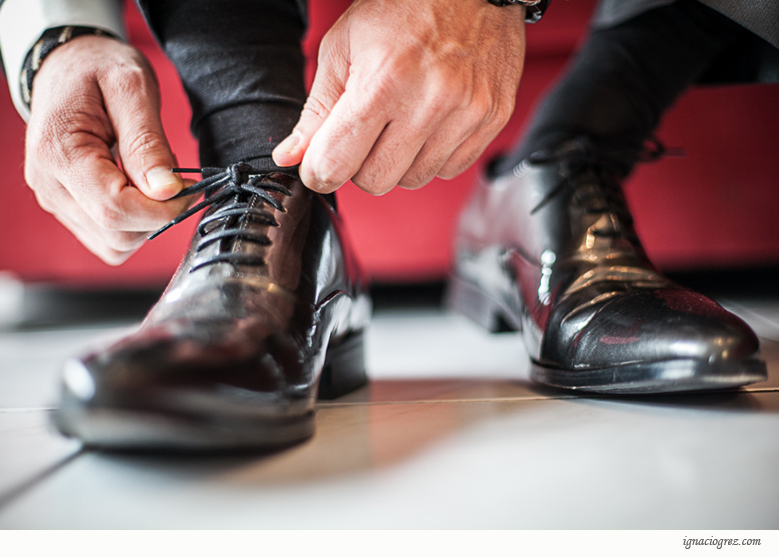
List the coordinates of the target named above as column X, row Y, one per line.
column 716, row 207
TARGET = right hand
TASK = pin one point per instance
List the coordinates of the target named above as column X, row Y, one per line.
column 95, row 105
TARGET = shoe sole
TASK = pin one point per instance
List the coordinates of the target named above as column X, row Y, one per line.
column 667, row 376
column 161, row 430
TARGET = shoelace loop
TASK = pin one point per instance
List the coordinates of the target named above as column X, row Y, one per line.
column 580, row 160
column 230, row 191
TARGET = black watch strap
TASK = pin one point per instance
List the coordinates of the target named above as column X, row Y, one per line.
column 51, row 39
column 534, row 10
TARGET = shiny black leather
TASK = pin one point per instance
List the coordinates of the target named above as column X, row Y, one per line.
column 233, row 355
column 550, row 250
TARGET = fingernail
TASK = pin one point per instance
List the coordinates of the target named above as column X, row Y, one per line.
column 161, row 177
column 289, row 144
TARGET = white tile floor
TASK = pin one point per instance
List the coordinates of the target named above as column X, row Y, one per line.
column 449, row 435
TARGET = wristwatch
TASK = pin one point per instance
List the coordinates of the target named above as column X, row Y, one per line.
column 534, row 9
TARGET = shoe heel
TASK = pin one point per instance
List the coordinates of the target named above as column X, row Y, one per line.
column 468, row 299
column 344, row 369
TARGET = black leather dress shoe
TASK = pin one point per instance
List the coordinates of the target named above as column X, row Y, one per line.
column 550, row 250
column 265, row 314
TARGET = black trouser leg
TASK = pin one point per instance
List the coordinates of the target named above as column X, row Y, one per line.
column 626, row 76
column 242, row 67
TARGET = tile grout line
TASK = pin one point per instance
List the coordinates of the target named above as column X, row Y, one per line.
column 428, row 401
column 513, row 399
column 440, row 401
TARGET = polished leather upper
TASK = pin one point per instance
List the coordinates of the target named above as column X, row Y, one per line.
column 228, row 338
column 553, row 243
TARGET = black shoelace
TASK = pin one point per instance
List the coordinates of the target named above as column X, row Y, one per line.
column 230, row 191
column 593, row 174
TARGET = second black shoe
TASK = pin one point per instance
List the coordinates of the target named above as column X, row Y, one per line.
column 266, row 313
column 550, row 250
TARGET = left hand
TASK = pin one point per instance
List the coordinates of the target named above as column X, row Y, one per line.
column 407, row 90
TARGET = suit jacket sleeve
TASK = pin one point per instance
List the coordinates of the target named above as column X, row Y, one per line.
column 22, row 22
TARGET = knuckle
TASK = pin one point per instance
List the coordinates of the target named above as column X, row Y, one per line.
column 500, row 110
column 441, row 100
column 501, row 116
column 330, row 174
column 481, row 107
column 315, row 107
column 146, row 142
column 130, row 76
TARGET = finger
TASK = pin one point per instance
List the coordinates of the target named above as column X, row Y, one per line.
column 103, row 192
column 468, row 152
column 488, row 128
column 393, row 153
column 344, row 141
column 59, row 202
column 438, row 149
column 428, row 162
column 112, row 247
column 132, row 103
column 329, row 83
column 107, row 254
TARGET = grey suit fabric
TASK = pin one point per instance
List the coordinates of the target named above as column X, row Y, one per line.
column 759, row 16
column 754, row 60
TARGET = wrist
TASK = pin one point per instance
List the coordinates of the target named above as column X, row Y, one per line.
column 23, row 22
column 49, row 41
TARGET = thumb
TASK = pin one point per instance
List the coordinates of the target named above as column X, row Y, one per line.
column 329, row 82
column 146, row 156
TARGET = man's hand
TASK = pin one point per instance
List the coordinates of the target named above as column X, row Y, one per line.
column 96, row 105
column 407, row 90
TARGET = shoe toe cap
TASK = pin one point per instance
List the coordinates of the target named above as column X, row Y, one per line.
column 156, row 370
column 659, row 325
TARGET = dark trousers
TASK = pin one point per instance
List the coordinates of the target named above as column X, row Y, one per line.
column 625, row 77
column 241, row 65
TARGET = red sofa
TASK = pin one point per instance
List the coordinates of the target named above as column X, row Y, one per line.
column 718, row 206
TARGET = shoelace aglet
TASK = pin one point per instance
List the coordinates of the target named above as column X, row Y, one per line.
column 161, row 230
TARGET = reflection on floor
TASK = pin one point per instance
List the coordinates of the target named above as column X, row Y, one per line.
column 449, row 434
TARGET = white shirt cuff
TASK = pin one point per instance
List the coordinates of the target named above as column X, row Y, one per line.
column 22, row 22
